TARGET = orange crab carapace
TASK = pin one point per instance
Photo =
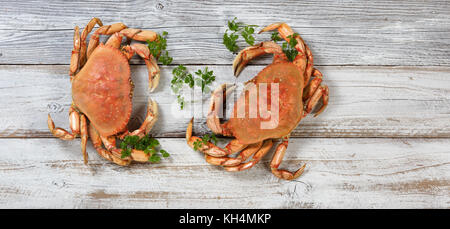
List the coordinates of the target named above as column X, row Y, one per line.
column 298, row 89
column 102, row 90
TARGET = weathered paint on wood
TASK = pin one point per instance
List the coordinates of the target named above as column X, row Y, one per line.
column 341, row 173
column 364, row 101
column 339, row 32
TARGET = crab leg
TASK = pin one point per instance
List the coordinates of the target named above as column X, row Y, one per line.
column 141, row 49
column 277, row 159
column 136, row 155
column 313, row 85
column 103, row 30
column 215, row 108
column 224, row 161
column 94, row 21
column 211, row 149
column 321, row 92
column 304, row 59
column 152, row 65
column 233, row 147
column 208, row 148
column 260, row 152
column 249, row 151
column 74, row 120
column 139, row 34
column 84, row 137
column 97, row 142
column 75, row 53
column 150, row 120
column 249, row 53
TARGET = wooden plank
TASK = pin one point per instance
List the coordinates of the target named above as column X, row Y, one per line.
column 341, row 173
column 379, row 32
column 364, row 101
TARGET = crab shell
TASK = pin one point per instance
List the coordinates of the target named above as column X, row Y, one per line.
column 248, row 130
column 102, row 90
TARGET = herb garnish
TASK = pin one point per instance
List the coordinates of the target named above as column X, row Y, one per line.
column 147, row 144
column 289, row 48
column 158, row 48
column 205, row 139
column 181, row 76
column 247, row 31
column 276, row 37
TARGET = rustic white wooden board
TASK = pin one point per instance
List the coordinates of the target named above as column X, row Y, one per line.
column 364, row 101
column 338, row 32
column 341, row 173
column 383, row 142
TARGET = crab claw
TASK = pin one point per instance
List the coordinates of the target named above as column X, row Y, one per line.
column 271, row 27
column 150, row 61
column 154, row 73
column 150, row 119
column 249, row 53
column 209, row 148
column 215, row 111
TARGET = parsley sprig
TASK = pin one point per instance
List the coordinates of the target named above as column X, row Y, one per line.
column 147, row 144
column 288, row 47
column 181, row 76
column 276, row 37
column 204, row 140
column 230, row 40
column 204, row 79
column 158, row 48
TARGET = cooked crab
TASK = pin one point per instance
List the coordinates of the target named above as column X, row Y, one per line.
column 289, row 83
column 102, row 90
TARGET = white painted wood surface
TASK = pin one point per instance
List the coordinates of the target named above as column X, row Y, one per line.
column 383, row 142
column 364, row 101
column 341, row 173
column 339, row 32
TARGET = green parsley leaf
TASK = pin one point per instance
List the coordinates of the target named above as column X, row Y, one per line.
column 165, row 58
column 206, row 78
column 247, row 34
column 147, row 144
column 125, row 153
column 180, row 100
column 164, row 153
column 158, row 49
column 181, row 76
column 233, row 25
column 289, row 48
column 204, row 141
column 275, row 37
column 154, row 158
column 230, row 41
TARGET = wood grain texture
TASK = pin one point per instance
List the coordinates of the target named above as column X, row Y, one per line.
column 364, row 101
column 341, row 173
column 407, row 33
